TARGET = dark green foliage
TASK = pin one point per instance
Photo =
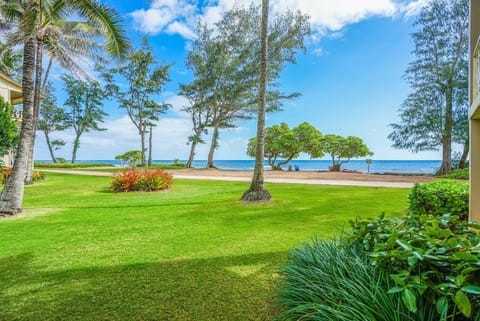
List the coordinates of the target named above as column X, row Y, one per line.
column 463, row 173
column 433, row 260
column 440, row 197
column 323, row 281
column 8, row 127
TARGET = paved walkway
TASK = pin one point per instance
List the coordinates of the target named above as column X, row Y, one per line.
column 248, row 179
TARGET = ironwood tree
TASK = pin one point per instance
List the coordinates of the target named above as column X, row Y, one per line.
column 85, row 113
column 145, row 79
column 52, row 118
column 433, row 115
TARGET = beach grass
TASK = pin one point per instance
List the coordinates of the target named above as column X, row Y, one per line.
column 193, row 252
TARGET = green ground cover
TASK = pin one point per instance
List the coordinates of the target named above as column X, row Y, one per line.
column 191, row 253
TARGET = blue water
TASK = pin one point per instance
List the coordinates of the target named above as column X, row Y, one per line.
column 377, row 166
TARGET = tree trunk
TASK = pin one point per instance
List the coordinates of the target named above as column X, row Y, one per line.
column 213, row 146
column 76, row 144
column 142, row 138
column 50, row 149
column 257, row 191
column 446, row 166
column 150, row 144
column 36, row 111
column 12, row 196
column 463, row 160
column 192, row 155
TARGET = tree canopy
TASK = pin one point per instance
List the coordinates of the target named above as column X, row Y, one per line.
column 283, row 144
column 435, row 112
column 132, row 157
column 8, row 128
column 342, row 149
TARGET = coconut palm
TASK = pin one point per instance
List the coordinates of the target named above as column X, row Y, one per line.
column 10, row 60
column 257, row 191
column 44, row 24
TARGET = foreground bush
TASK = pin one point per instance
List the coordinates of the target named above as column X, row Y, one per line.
column 324, row 281
column 141, row 180
column 440, row 197
column 432, row 260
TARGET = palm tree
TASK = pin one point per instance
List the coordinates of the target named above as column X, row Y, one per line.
column 257, row 190
column 36, row 24
column 10, row 60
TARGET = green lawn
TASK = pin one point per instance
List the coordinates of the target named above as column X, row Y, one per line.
column 191, row 253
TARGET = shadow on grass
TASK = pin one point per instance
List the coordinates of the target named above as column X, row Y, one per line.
column 226, row 288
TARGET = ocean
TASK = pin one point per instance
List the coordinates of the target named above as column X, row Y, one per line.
column 377, row 166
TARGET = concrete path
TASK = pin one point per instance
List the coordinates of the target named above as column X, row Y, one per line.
column 248, row 179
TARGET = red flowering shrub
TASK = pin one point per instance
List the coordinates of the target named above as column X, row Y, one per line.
column 145, row 180
column 6, row 172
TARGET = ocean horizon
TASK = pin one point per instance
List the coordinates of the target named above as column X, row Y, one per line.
column 377, row 166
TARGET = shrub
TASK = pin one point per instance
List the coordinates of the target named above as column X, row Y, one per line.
column 145, row 180
column 322, row 281
column 154, row 180
column 69, row 165
column 433, row 260
column 440, row 197
column 6, row 172
column 463, row 173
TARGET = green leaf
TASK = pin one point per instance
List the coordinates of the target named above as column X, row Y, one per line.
column 463, row 303
column 472, row 289
column 442, row 307
column 404, row 245
column 465, row 256
column 410, row 300
column 395, row 290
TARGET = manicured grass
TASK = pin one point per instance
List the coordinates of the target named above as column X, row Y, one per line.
column 191, row 253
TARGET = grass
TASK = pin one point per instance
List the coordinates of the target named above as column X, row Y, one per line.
column 192, row 253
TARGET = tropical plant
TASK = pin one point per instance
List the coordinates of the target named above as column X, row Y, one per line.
column 342, row 149
column 328, row 282
column 147, row 180
column 27, row 20
column 435, row 113
column 145, row 80
column 432, row 260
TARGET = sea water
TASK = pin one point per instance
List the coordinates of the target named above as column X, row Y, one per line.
column 377, row 166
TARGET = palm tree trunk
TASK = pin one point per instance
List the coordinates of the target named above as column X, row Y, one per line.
column 12, row 196
column 213, row 146
column 446, row 166
column 192, row 154
column 49, row 145
column 36, row 111
column 150, row 144
column 257, row 191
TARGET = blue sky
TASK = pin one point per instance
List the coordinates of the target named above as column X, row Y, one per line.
column 350, row 78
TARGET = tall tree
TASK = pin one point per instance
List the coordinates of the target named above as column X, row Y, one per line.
column 257, row 190
column 22, row 18
column 52, row 118
column 146, row 80
column 439, row 80
column 225, row 65
column 85, row 103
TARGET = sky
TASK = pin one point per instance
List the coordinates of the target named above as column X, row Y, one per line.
column 350, row 77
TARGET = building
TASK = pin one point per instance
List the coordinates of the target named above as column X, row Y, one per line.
column 474, row 99
column 11, row 91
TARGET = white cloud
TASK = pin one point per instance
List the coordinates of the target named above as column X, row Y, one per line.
column 326, row 16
